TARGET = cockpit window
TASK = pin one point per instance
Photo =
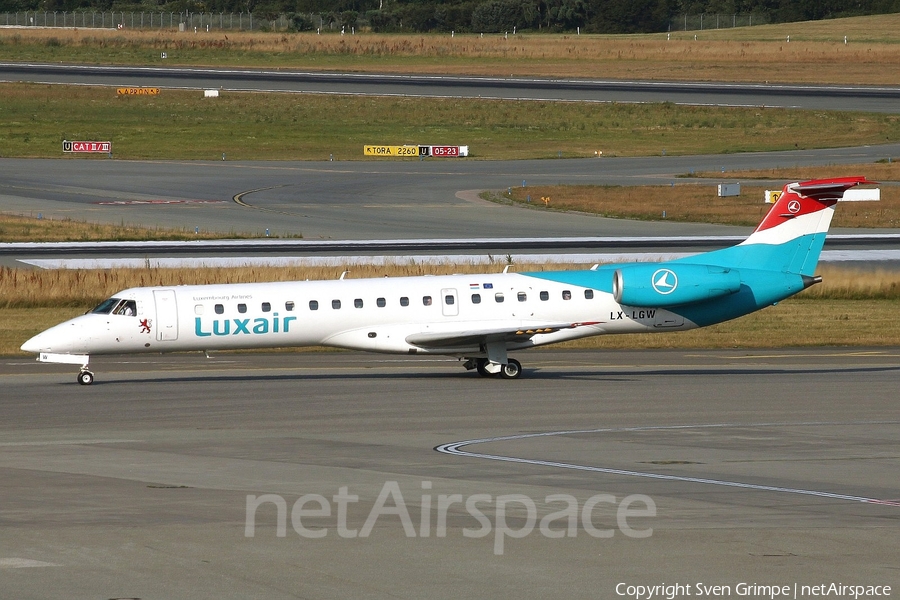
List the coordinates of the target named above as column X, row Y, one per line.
column 105, row 307
column 127, row 308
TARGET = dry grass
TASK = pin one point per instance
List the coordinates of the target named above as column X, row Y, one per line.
column 698, row 202
column 816, row 52
column 881, row 171
column 848, row 283
column 27, row 288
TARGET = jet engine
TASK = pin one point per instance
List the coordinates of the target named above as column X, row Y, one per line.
column 672, row 284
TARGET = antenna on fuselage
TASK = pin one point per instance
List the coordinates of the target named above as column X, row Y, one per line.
column 344, row 274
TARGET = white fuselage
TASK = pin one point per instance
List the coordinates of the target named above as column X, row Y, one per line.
column 431, row 314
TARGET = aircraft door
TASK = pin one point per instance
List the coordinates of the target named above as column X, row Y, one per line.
column 166, row 315
column 449, row 302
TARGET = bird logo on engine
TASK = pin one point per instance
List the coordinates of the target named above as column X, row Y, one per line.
column 664, row 281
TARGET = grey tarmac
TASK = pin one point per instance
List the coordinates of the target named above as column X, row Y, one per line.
column 362, row 200
column 764, row 466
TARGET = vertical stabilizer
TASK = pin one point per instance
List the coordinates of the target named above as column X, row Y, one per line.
column 790, row 237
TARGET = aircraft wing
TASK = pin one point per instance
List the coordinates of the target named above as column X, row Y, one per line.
column 446, row 339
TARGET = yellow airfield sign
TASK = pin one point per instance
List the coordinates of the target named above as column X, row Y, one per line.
column 402, row 151
column 137, row 91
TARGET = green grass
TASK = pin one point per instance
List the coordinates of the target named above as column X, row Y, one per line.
column 795, row 322
column 35, row 119
column 18, row 228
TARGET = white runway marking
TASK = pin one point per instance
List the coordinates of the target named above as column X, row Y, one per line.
column 23, row 563
column 66, row 443
column 456, row 448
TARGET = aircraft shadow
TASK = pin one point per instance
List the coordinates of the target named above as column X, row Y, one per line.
column 535, row 374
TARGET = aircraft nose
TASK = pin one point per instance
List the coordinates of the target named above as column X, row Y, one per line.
column 56, row 339
column 32, row 345
column 42, row 342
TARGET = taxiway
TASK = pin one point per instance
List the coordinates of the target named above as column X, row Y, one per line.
column 766, row 466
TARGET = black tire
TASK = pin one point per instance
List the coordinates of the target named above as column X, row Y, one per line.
column 85, row 378
column 511, row 370
column 481, row 366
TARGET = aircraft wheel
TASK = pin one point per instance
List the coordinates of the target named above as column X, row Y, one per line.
column 481, row 365
column 85, row 378
column 511, row 370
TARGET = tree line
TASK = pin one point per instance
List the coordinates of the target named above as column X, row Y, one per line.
column 484, row 16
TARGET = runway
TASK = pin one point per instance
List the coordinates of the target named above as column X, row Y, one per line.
column 776, row 467
column 807, row 97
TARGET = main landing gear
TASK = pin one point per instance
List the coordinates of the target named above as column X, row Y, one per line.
column 511, row 370
column 85, row 377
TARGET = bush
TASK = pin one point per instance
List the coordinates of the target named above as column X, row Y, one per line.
column 302, row 23
column 496, row 16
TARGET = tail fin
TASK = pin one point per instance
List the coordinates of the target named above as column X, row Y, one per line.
column 791, row 236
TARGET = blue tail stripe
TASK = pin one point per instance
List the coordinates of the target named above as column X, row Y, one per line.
column 800, row 255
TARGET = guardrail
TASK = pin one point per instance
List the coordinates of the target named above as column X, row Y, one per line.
column 424, row 245
column 186, row 21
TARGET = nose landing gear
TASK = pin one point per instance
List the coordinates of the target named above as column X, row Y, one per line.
column 85, row 377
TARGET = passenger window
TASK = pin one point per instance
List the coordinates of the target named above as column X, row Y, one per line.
column 335, row 304
column 242, row 308
column 567, row 295
column 220, row 309
column 498, row 297
column 522, row 297
column 588, row 294
column 404, row 301
column 198, row 309
column 381, row 302
column 358, row 303
column 266, row 307
column 313, row 305
column 476, row 298
column 426, row 300
column 289, row 305
column 449, row 299
column 545, row 296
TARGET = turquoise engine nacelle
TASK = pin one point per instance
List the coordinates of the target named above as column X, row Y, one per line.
column 672, row 284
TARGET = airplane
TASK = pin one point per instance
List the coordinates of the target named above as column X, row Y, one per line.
column 480, row 318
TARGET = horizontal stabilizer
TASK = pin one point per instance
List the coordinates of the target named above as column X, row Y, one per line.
column 862, row 195
column 827, row 188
